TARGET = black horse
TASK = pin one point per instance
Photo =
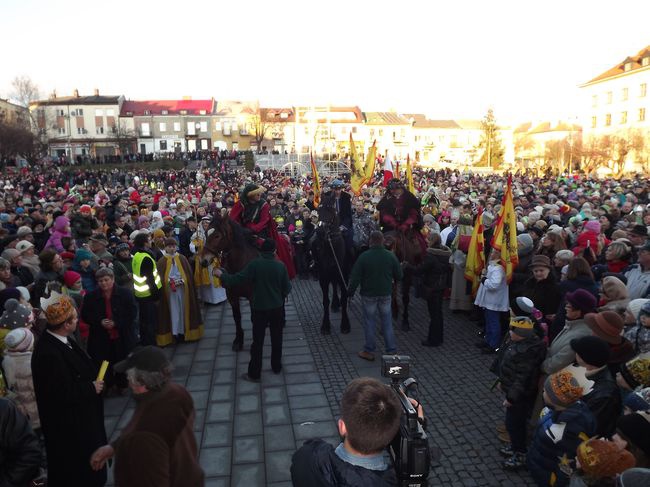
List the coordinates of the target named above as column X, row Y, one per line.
column 328, row 249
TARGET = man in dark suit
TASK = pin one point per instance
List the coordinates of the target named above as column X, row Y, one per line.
column 341, row 201
column 68, row 397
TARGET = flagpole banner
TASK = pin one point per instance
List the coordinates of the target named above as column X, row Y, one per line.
column 388, row 170
column 409, row 175
column 504, row 240
column 475, row 254
column 369, row 168
column 357, row 175
column 315, row 181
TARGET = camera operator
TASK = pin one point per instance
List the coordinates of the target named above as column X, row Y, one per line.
column 370, row 419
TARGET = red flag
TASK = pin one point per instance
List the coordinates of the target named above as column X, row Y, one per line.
column 388, row 170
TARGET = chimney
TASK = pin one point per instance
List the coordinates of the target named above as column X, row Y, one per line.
column 76, row 93
column 53, row 95
column 96, row 91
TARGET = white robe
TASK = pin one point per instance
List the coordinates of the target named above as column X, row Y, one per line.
column 176, row 303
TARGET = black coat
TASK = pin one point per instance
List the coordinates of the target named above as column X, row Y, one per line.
column 605, row 402
column 71, row 412
column 435, row 269
column 124, row 310
column 20, row 453
column 519, row 369
column 567, row 286
column 544, row 294
column 316, row 464
column 345, row 207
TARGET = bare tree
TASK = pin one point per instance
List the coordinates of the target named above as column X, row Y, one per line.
column 266, row 124
column 125, row 138
column 25, row 91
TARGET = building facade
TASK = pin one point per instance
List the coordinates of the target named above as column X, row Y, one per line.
column 326, row 130
column 77, row 126
column 12, row 114
column 233, row 124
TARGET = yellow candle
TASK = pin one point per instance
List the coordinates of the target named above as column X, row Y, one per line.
column 102, row 370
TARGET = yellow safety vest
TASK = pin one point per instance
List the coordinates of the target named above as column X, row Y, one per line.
column 140, row 286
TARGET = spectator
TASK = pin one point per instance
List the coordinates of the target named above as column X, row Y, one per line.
column 542, row 288
column 157, row 446
column 7, row 279
column 84, row 266
column 599, row 462
column 18, row 373
column 638, row 275
column 98, row 244
column 613, row 295
column 30, row 259
column 123, row 266
column 19, row 448
column 83, row 224
column 634, row 429
column 51, row 275
column 639, row 333
column 375, row 271
column 609, row 326
column 15, row 259
column 492, row 296
column 58, row 232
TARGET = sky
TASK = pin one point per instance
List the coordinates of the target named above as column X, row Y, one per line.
column 445, row 58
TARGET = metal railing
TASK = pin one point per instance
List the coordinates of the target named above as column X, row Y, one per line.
column 299, row 164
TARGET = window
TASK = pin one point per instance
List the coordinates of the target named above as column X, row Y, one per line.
column 627, row 67
column 80, row 112
column 183, row 112
column 381, row 132
column 233, row 127
column 99, row 130
column 609, row 97
column 217, row 126
column 608, row 119
column 60, row 113
column 144, row 129
column 177, row 126
column 594, row 122
column 641, row 114
column 594, row 101
column 147, row 112
column 354, row 130
column 372, row 133
column 109, row 112
column 80, row 130
column 645, row 61
column 99, row 112
column 623, row 118
column 644, row 89
column 129, row 114
column 190, row 128
column 165, row 112
column 204, row 127
column 624, row 94
column 284, row 115
column 163, row 145
column 61, row 130
column 204, row 144
column 202, row 112
column 163, row 127
column 402, row 133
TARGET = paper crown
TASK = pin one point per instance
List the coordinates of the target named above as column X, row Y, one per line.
column 636, row 372
column 568, row 385
column 57, row 308
column 603, row 459
column 521, row 322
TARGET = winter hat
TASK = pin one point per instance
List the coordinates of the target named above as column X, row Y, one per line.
column 70, row 277
column 524, row 244
column 10, row 254
column 607, row 325
column 85, row 209
column 537, row 231
column 636, row 372
column 603, row 459
column 24, row 293
column 82, row 254
column 593, row 350
column 636, row 428
column 636, row 306
column 593, row 226
column 635, row 477
column 540, row 261
column 525, row 304
column 522, row 326
column 19, row 340
column 564, row 254
column 583, row 300
column 158, row 233
column 555, row 229
column 15, row 315
column 7, row 294
column 24, row 230
column 67, row 255
column 121, row 247
column 567, row 386
column 614, row 288
column 636, row 402
column 24, row 246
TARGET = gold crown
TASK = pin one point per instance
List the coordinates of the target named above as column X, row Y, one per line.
column 57, row 308
column 571, row 382
column 521, row 322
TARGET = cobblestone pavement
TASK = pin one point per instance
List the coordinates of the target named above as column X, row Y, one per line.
column 247, row 432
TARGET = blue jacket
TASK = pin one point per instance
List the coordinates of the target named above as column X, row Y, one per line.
column 551, row 457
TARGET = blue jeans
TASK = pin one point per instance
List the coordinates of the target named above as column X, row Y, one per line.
column 492, row 328
column 373, row 305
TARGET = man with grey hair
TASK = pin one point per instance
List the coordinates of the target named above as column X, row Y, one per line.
column 157, row 446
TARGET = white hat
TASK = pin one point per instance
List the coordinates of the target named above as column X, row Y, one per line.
column 24, row 246
column 24, row 230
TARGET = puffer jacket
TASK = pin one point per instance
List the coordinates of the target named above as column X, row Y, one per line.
column 18, row 373
column 435, row 269
column 604, row 401
column 555, row 441
column 20, row 452
column 520, row 367
column 316, row 464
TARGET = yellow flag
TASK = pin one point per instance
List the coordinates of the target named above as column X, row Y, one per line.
column 357, row 175
column 315, row 181
column 409, row 175
column 505, row 233
column 369, row 168
column 475, row 255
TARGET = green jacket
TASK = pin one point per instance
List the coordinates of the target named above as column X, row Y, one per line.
column 375, row 270
column 269, row 278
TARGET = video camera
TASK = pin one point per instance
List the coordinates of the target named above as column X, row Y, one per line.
column 409, row 449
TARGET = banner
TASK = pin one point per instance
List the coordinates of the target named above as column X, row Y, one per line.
column 505, row 233
column 315, row 180
column 475, row 254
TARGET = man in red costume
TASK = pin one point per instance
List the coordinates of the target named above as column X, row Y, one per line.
column 253, row 213
column 399, row 210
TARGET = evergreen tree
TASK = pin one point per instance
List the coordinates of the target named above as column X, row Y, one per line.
column 490, row 146
column 249, row 160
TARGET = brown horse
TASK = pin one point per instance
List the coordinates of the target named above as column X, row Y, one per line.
column 407, row 249
column 227, row 240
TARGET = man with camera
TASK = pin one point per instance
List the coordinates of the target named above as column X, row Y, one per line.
column 370, row 419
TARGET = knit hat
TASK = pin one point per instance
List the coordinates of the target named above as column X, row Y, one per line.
column 158, row 233
column 24, row 230
column 82, row 254
column 121, row 247
column 525, row 304
column 6, row 295
column 603, row 459
column 70, row 277
column 524, row 244
column 24, row 246
column 58, row 308
column 593, row 350
column 645, row 310
column 614, row 288
column 607, row 325
column 567, row 386
column 636, row 372
column 522, row 326
column 19, row 340
column 636, row 428
column 582, row 300
column 67, row 255
column 635, row 477
column 24, row 294
column 564, row 254
column 540, row 261
column 639, row 230
column 85, row 209
column 593, row 226
column 9, row 254
column 15, row 315
column 637, row 305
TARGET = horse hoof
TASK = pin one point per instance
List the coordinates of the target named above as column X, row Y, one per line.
column 345, row 329
column 237, row 346
column 325, row 330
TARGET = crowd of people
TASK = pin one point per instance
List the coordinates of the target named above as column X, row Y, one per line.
column 120, row 254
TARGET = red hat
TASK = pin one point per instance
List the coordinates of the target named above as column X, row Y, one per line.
column 70, row 277
column 85, row 209
column 67, row 255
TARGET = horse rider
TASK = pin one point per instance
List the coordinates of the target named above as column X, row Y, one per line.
column 399, row 211
column 254, row 214
column 341, row 201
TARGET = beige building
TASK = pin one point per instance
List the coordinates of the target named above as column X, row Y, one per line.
column 547, row 144
column 327, row 129
column 233, row 124
column 79, row 126
column 12, row 114
column 277, row 130
column 392, row 131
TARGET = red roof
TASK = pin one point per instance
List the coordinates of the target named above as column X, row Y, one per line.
column 634, row 62
column 173, row 107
